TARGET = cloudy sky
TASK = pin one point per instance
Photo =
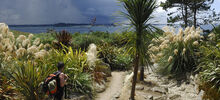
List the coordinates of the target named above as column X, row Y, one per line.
column 69, row 11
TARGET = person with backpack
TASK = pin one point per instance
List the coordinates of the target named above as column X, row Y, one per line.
column 54, row 83
column 61, row 81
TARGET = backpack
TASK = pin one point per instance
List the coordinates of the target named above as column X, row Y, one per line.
column 50, row 83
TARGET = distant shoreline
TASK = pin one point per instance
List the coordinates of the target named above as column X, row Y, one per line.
column 68, row 25
column 58, row 25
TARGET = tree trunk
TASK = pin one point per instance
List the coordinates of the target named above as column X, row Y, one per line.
column 136, row 62
column 194, row 16
column 186, row 15
column 142, row 73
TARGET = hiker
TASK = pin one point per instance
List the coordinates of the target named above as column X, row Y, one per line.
column 61, row 81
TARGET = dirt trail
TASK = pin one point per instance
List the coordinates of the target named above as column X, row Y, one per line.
column 114, row 87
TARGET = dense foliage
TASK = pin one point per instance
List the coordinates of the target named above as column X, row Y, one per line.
column 177, row 54
column 27, row 75
column 75, row 63
column 7, row 91
column 209, row 66
column 209, row 76
column 114, row 56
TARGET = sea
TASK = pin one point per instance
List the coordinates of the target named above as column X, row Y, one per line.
column 82, row 28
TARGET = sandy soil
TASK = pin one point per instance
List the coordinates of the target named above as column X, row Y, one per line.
column 113, row 88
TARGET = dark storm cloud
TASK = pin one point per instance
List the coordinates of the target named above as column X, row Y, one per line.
column 54, row 11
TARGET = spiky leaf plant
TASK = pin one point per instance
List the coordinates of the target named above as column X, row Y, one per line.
column 75, row 65
column 7, row 91
column 64, row 38
column 27, row 75
column 210, row 72
column 139, row 13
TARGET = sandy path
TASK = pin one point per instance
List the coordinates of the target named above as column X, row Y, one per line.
column 115, row 86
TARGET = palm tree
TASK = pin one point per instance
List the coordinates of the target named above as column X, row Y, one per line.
column 139, row 13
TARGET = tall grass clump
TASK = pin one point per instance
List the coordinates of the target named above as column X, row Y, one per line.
column 22, row 47
column 27, row 75
column 20, row 58
column 177, row 53
column 7, row 91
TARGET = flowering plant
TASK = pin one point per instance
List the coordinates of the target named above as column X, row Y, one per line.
column 177, row 53
column 20, row 47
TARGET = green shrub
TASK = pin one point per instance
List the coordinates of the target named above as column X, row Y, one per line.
column 84, row 40
column 45, row 37
column 115, row 57
column 101, row 34
column 210, row 72
column 122, row 62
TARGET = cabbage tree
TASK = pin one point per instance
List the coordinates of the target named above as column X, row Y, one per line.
column 139, row 13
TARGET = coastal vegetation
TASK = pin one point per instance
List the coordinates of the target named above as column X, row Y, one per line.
column 177, row 54
column 26, row 59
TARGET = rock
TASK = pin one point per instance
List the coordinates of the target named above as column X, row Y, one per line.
column 139, row 87
column 117, row 95
column 182, row 89
column 166, row 89
column 128, row 78
column 160, row 90
column 78, row 96
column 165, row 82
column 150, row 97
column 100, row 87
column 174, row 96
column 83, row 97
column 172, row 85
column 164, row 97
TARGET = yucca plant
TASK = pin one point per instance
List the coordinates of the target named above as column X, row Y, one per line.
column 210, row 72
column 27, row 76
column 139, row 13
